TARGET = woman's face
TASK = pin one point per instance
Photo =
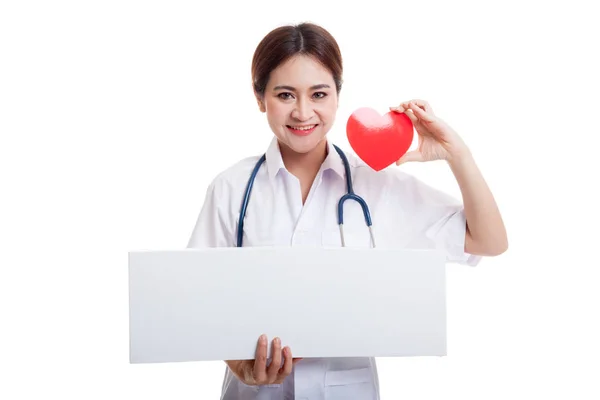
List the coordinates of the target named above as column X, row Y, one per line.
column 300, row 102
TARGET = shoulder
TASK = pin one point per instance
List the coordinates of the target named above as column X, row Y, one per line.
column 233, row 178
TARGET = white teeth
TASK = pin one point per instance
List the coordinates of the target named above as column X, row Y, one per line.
column 303, row 128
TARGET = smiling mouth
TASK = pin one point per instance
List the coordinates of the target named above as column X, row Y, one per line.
column 302, row 130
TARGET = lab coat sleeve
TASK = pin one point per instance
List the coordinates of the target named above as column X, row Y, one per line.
column 212, row 227
column 448, row 233
column 442, row 222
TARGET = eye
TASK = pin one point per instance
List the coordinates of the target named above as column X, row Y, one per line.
column 320, row 95
column 284, row 96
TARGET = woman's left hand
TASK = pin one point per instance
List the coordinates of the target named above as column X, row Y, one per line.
column 437, row 140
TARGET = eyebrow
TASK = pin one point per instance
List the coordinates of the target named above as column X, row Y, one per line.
column 314, row 87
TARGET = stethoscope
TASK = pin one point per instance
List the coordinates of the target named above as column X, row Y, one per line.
column 350, row 195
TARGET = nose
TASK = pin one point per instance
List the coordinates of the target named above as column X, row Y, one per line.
column 303, row 110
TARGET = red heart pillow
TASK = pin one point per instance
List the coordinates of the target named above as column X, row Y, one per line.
column 379, row 140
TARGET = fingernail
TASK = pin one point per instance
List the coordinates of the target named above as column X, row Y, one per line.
column 263, row 338
column 277, row 341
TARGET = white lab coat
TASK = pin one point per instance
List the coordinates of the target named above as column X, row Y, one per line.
column 405, row 213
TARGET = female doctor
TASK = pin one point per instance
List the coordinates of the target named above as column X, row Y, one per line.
column 297, row 78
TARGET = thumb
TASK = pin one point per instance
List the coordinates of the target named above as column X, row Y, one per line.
column 410, row 156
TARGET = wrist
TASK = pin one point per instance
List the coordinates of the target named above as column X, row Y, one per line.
column 461, row 163
column 459, row 155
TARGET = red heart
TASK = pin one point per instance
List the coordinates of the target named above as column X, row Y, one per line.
column 379, row 140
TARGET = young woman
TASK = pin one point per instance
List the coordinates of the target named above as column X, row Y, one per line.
column 297, row 78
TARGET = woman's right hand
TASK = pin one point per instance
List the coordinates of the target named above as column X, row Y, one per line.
column 256, row 372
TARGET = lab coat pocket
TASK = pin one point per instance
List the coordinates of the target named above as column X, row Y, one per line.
column 350, row 384
column 247, row 392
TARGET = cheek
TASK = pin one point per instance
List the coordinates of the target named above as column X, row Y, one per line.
column 328, row 110
column 276, row 111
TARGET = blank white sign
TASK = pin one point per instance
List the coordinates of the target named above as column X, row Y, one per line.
column 213, row 304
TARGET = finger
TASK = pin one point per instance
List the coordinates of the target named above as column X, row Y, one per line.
column 412, row 116
column 273, row 370
column 287, row 364
column 410, row 156
column 421, row 114
column 399, row 109
column 402, row 107
column 422, row 104
column 260, row 362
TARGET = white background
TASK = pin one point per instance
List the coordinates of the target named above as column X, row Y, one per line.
column 106, row 110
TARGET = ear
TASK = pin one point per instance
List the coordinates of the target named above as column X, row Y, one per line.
column 261, row 104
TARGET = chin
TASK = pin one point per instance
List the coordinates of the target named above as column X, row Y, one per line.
column 303, row 144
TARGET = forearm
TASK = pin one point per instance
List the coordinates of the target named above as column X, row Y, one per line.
column 486, row 233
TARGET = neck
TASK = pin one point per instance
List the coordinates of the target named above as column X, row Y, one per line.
column 303, row 164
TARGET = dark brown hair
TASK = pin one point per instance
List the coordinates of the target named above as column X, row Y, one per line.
column 286, row 41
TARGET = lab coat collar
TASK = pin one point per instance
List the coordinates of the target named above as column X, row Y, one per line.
column 275, row 162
